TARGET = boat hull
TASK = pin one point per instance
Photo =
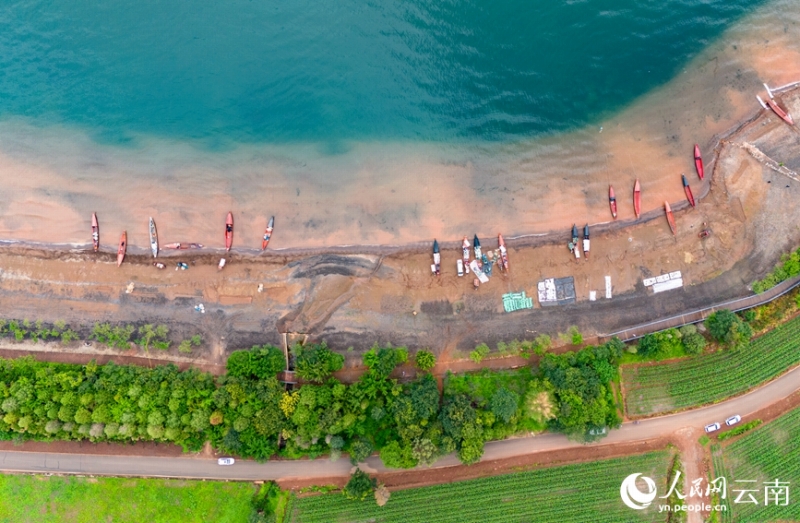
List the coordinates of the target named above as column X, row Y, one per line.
column 268, row 233
column 95, row 233
column 153, row 238
column 637, row 199
column 612, row 202
column 698, row 162
column 670, row 218
column 229, row 231
column 688, row 191
column 123, row 248
column 786, row 117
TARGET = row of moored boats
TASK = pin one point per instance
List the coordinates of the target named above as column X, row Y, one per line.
column 122, row 249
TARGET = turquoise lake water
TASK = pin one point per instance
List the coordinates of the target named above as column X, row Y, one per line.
column 221, row 73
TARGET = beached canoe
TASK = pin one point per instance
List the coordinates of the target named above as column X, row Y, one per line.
column 153, row 238
column 268, row 233
column 436, row 268
column 771, row 104
column 229, row 231
column 123, row 247
column 95, row 233
column 698, row 161
column 503, row 252
column 612, row 201
column 586, row 241
column 576, row 249
column 183, row 246
column 687, row 190
column 476, row 246
column 670, row 218
column 637, row 199
column 465, row 254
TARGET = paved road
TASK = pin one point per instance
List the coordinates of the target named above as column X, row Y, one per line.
column 203, row 468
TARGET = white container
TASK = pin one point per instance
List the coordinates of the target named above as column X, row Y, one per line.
column 460, row 267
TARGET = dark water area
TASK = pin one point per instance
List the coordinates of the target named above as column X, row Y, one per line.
column 223, row 73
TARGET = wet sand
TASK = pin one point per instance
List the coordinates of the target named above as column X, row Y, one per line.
column 393, row 194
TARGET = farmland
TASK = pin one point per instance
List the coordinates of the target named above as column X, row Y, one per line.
column 661, row 388
column 581, row 492
column 768, row 453
column 43, row 499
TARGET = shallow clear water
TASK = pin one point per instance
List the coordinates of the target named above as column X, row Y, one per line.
column 331, row 71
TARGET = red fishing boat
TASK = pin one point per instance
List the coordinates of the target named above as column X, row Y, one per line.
column 687, row 190
column 637, row 199
column 123, row 247
column 95, row 232
column 612, row 201
column 268, row 233
column 503, row 252
column 229, row 232
column 698, row 161
column 670, row 218
column 786, row 117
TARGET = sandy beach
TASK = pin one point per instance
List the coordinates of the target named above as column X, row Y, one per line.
column 357, row 296
column 391, row 194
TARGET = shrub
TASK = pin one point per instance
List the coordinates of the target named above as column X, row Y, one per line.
column 480, row 352
column 360, row 486
column 694, row 343
column 739, row 430
column 425, row 360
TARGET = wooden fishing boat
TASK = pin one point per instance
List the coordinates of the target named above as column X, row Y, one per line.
column 183, row 246
column 670, row 218
column 771, row 104
column 586, row 241
column 153, row 238
column 687, row 190
column 465, row 254
column 229, row 231
column 637, row 199
column 268, row 233
column 698, row 161
column 574, row 247
column 503, row 252
column 436, row 268
column 95, row 233
column 123, row 247
column 612, row 201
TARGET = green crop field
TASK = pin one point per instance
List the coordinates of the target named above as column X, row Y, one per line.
column 656, row 389
column 768, row 453
column 572, row 493
column 58, row 499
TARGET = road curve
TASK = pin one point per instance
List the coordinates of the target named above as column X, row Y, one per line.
column 192, row 467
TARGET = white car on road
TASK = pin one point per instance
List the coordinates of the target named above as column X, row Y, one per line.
column 733, row 420
column 225, row 461
column 713, row 427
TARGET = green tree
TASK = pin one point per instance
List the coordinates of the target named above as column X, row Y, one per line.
column 726, row 327
column 360, row 450
column 360, row 486
column 316, row 362
column 381, row 361
column 504, row 404
column 395, row 455
column 425, row 360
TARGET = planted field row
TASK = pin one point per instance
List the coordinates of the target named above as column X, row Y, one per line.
column 655, row 389
column 580, row 493
column 768, row 453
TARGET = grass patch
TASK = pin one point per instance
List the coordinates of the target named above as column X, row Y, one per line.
column 708, row 378
column 43, row 499
column 572, row 493
column 769, row 452
column 704, row 440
